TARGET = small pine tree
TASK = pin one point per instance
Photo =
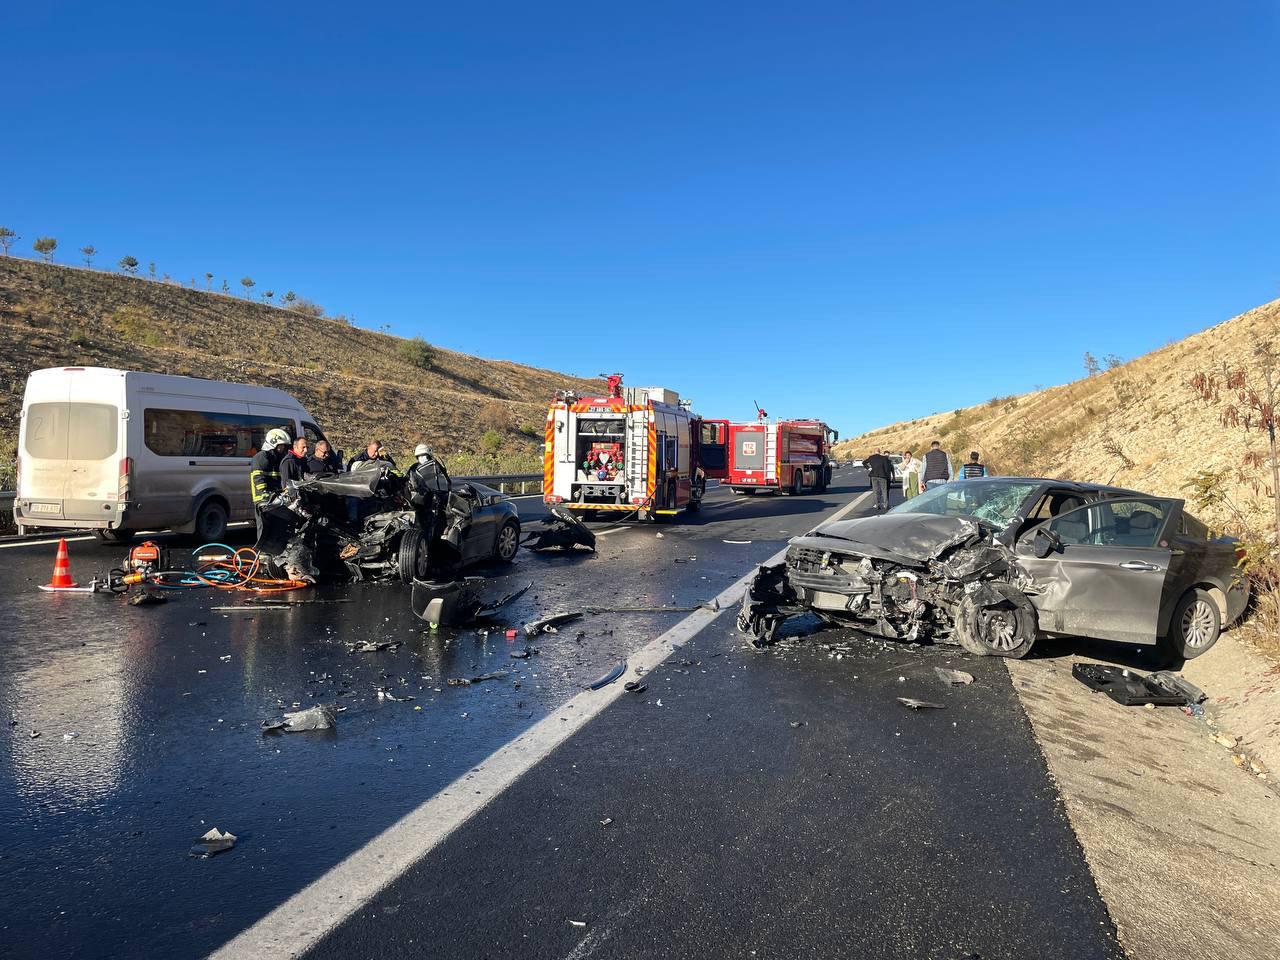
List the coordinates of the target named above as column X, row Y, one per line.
column 7, row 237
column 247, row 283
column 290, row 297
column 1091, row 365
column 89, row 252
column 267, row 295
column 129, row 265
column 208, row 281
column 45, row 247
column 151, row 269
column 490, row 442
column 226, row 288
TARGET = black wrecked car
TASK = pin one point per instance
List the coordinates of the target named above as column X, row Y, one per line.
column 992, row 563
column 377, row 524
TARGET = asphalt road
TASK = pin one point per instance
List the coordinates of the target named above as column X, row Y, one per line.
column 778, row 803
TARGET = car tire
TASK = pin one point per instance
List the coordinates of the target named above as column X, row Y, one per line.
column 211, row 522
column 1194, row 628
column 1003, row 630
column 507, row 543
column 407, row 560
column 113, row 536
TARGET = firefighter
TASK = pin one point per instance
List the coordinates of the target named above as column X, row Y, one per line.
column 429, row 480
column 264, row 472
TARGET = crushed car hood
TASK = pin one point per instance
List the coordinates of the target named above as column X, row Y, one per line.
column 908, row 538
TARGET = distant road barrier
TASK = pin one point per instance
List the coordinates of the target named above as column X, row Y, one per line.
column 516, row 483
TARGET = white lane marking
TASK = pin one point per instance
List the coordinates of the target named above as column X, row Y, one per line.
column 301, row 921
column 40, row 543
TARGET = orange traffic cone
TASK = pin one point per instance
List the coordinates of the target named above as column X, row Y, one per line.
column 62, row 569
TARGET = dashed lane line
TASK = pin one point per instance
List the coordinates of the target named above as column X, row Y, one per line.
column 301, row 921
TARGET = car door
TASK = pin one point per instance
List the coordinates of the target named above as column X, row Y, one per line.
column 481, row 532
column 1105, row 568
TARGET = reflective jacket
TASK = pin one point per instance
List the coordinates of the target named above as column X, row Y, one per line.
column 264, row 475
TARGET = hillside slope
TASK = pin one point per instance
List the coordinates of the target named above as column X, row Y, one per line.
column 353, row 380
column 1139, row 425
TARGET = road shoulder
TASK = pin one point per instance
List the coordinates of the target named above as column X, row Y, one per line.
column 1184, row 844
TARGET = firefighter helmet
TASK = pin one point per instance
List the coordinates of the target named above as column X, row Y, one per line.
column 421, row 450
column 277, row 437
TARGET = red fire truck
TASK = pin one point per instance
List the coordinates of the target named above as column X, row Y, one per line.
column 637, row 450
column 786, row 456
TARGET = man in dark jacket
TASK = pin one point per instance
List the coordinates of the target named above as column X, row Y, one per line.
column 373, row 451
column 324, row 460
column 293, row 467
column 937, row 467
column 880, row 470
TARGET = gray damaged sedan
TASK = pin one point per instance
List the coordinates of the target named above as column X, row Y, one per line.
column 992, row 563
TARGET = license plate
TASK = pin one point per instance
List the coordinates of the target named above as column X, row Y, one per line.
column 46, row 508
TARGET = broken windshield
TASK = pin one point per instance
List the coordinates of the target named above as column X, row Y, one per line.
column 995, row 501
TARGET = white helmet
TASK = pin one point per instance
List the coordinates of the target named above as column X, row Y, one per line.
column 422, row 453
column 277, row 437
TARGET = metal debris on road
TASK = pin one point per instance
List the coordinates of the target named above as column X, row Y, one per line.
column 319, row 717
column 147, row 598
column 618, row 670
column 374, row 646
column 583, row 923
column 635, row 686
column 467, row 681
column 525, row 654
column 953, row 676
column 796, row 724
column 606, row 821
column 549, row 624
column 212, row 843
column 913, row 704
column 561, row 529
column 386, row 693
column 736, row 541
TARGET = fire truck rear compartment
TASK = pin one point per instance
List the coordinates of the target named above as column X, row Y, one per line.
column 595, row 436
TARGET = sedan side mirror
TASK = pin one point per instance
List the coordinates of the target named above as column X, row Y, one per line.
column 1044, row 542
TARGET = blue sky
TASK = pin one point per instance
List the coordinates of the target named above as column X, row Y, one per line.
column 864, row 212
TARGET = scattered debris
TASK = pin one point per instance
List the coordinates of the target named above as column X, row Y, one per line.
column 386, row 693
column 561, row 529
column 375, row 646
column 549, row 624
column 147, row 598
column 618, row 670
column 1131, row 689
column 467, row 681
column 319, row 717
column 583, row 923
column 635, row 686
column 913, row 704
column 606, row 821
column 736, row 541
column 525, row 654
column 953, row 676
column 212, row 843
column 796, row 724
column 34, row 734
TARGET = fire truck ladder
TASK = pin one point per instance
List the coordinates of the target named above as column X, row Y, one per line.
column 771, row 453
column 637, row 455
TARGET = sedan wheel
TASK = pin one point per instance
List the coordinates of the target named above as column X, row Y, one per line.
column 1007, row 629
column 1194, row 627
column 508, row 542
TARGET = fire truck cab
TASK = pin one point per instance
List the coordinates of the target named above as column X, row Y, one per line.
column 636, row 450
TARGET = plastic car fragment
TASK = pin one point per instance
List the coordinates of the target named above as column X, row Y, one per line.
column 913, row 704
column 549, row 624
column 1131, row 689
column 212, row 843
column 953, row 677
column 319, row 717
column 561, row 529
column 618, row 670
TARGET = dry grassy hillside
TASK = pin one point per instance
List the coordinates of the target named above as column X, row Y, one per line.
column 1138, row 425
column 355, row 381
